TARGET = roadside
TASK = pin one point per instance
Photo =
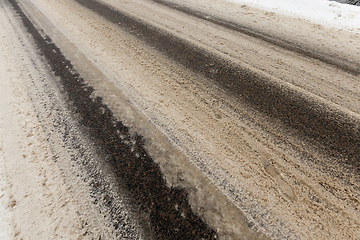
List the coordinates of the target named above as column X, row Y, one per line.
column 49, row 167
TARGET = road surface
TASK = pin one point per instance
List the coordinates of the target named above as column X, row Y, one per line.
column 161, row 119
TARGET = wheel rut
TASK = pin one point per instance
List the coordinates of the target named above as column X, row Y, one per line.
column 337, row 131
column 166, row 209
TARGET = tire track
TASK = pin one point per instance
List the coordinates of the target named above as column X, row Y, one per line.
column 167, row 209
column 337, row 132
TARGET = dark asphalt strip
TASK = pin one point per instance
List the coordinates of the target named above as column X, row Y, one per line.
column 338, row 134
column 332, row 59
column 133, row 166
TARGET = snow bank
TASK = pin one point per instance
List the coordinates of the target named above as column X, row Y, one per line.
column 323, row 12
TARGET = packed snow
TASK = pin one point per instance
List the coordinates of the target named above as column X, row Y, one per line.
column 322, row 12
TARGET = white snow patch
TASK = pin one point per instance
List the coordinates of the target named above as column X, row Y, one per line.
column 322, row 12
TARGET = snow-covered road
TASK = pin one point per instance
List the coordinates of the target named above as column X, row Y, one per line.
column 177, row 120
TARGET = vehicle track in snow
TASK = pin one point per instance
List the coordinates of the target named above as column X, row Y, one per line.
column 335, row 129
column 133, row 167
